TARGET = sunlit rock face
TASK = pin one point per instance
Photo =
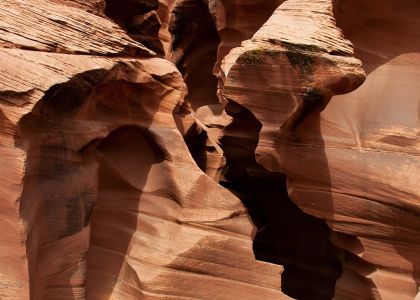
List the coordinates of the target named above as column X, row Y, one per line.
column 351, row 160
column 377, row 167
column 101, row 198
column 183, row 149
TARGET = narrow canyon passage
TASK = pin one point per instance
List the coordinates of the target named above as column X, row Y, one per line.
column 194, row 50
column 285, row 232
column 209, row 149
column 140, row 19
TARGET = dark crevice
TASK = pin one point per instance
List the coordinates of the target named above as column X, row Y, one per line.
column 195, row 43
column 196, row 142
column 285, row 233
column 194, row 51
column 140, row 20
column 122, row 10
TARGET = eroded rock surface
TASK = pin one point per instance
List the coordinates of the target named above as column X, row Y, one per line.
column 182, row 149
column 342, row 160
column 95, row 204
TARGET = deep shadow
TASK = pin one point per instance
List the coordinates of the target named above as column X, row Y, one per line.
column 285, row 233
column 302, row 159
column 196, row 141
column 125, row 159
column 195, row 43
column 139, row 19
column 122, row 10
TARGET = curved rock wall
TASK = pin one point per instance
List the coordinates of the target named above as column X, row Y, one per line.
column 209, row 149
column 342, row 160
column 95, row 199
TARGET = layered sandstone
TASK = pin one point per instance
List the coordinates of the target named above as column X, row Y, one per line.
column 353, row 162
column 182, row 149
column 95, row 204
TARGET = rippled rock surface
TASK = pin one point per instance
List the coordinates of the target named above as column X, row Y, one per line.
column 215, row 149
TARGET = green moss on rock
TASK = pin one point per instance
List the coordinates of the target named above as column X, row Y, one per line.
column 302, row 56
column 303, row 61
column 256, row 56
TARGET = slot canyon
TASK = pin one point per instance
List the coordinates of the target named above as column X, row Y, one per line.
column 210, row 149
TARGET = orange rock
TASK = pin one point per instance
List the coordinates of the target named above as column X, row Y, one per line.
column 178, row 149
column 352, row 162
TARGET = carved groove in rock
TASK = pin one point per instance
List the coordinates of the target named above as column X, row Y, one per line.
column 182, row 149
column 194, row 50
column 284, row 231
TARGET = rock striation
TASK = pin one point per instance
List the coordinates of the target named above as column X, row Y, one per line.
column 95, row 204
column 183, row 149
column 342, row 160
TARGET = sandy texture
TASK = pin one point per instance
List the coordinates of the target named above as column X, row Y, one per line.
column 181, row 149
